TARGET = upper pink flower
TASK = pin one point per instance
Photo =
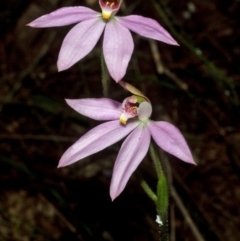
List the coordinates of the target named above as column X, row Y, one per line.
column 139, row 130
column 117, row 43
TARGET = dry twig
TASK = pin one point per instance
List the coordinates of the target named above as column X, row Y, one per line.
column 161, row 69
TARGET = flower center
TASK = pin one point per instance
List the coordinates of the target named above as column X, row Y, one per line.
column 108, row 7
column 131, row 108
column 135, row 106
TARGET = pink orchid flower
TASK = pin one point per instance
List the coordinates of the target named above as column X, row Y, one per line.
column 129, row 118
column 117, row 43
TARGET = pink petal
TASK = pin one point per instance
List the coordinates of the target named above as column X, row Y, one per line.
column 146, row 27
column 64, row 16
column 79, row 42
column 117, row 48
column 96, row 140
column 170, row 139
column 97, row 109
column 132, row 152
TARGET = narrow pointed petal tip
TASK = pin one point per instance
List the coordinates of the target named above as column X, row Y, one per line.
column 60, row 165
column 61, row 67
column 117, row 48
column 95, row 140
column 170, row 139
column 147, row 27
column 63, row 16
column 132, row 152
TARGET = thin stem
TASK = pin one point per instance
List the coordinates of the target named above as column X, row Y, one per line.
column 164, row 228
column 149, row 191
column 105, row 76
column 156, row 161
column 162, row 199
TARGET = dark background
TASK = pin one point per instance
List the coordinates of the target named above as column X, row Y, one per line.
column 194, row 86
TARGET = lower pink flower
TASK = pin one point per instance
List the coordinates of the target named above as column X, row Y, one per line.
column 130, row 118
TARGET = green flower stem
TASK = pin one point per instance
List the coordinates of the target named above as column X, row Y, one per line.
column 156, row 161
column 149, row 191
column 164, row 228
column 105, row 76
column 161, row 198
column 162, row 206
